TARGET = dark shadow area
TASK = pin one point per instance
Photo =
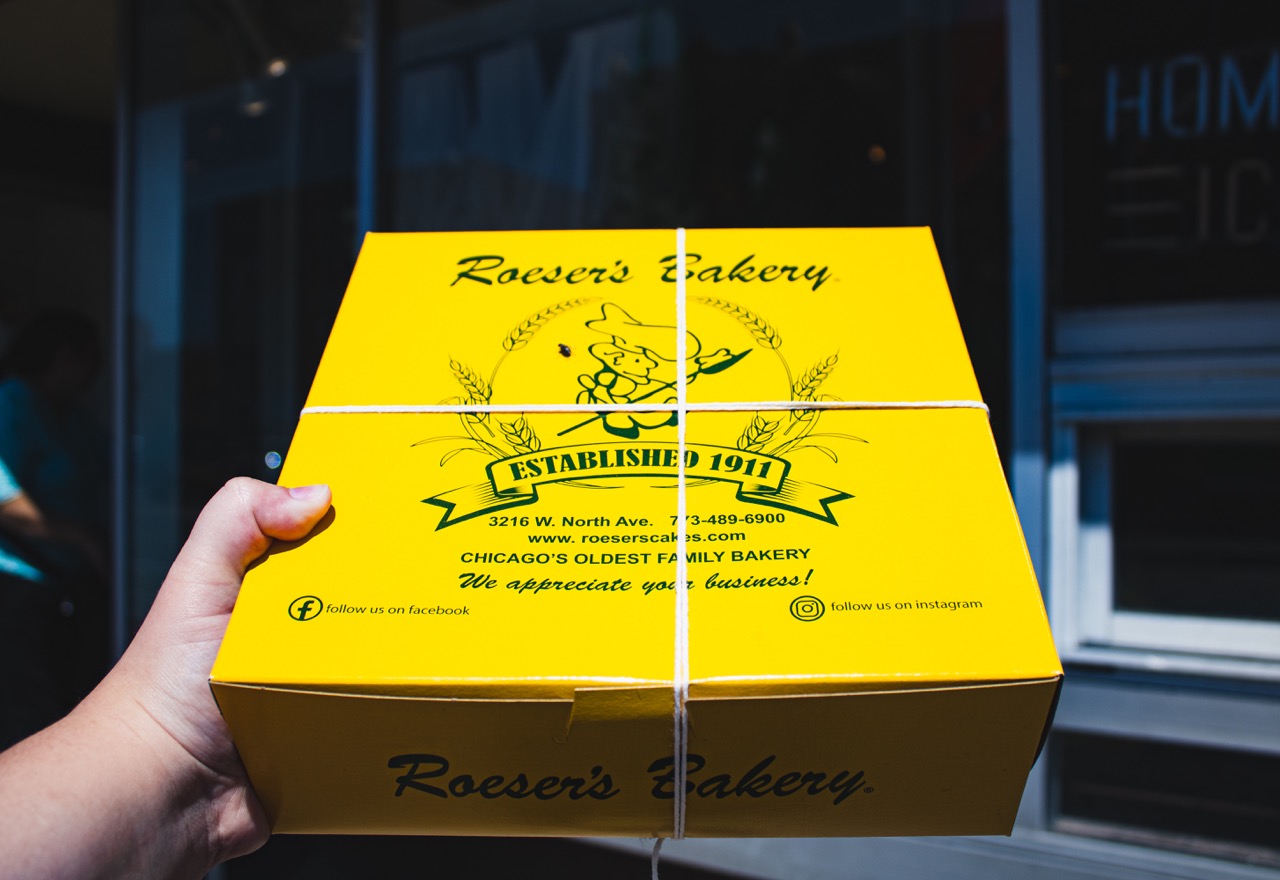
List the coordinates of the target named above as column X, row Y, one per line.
column 321, row 858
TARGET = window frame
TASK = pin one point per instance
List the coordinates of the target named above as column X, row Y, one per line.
column 1196, row 365
column 1104, row 369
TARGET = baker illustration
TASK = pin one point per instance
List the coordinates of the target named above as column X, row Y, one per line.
column 629, row 361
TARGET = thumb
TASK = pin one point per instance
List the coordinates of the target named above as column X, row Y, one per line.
column 235, row 528
column 166, row 668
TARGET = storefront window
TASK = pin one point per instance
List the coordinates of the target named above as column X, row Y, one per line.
column 1170, row 123
column 243, row 144
column 631, row 114
column 1195, row 526
column 1165, row 396
column 1136, row 792
column 1178, row 548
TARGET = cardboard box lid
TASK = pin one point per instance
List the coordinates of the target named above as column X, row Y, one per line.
column 501, row 303
column 875, row 547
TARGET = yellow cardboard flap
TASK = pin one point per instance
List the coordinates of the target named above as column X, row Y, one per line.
column 619, row 705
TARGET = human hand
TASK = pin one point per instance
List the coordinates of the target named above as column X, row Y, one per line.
column 144, row 768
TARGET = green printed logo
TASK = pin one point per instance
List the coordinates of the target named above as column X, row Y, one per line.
column 627, row 363
column 635, row 363
column 305, row 608
column 807, row 608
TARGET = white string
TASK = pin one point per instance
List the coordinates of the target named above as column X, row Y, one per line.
column 682, row 407
column 653, row 858
column 680, row 684
column 679, row 407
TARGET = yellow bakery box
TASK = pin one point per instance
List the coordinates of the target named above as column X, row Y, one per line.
column 645, row 533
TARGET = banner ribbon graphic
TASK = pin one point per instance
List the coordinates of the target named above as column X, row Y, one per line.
column 514, row 481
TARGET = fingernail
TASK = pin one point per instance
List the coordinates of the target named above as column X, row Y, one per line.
column 308, row 493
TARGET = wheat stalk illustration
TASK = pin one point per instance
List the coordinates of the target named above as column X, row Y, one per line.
column 520, row 335
column 517, row 433
column 478, row 390
column 807, row 385
column 757, row 434
column 760, row 329
column 520, row 436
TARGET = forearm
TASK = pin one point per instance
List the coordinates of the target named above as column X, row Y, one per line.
column 104, row 793
column 142, row 779
column 21, row 516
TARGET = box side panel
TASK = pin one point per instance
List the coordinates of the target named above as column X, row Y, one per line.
column 940, row 762
column 335, row 764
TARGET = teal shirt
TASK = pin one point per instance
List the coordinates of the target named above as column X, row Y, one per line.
column 10, row 562
column 58, row 458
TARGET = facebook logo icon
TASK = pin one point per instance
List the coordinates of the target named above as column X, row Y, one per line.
column 305, row 607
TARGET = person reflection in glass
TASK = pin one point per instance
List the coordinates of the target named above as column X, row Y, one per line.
column 53, row 632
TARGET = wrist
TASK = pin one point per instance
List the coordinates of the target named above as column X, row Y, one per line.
column 197, row 775
column 104, row 780
column 159, row 790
